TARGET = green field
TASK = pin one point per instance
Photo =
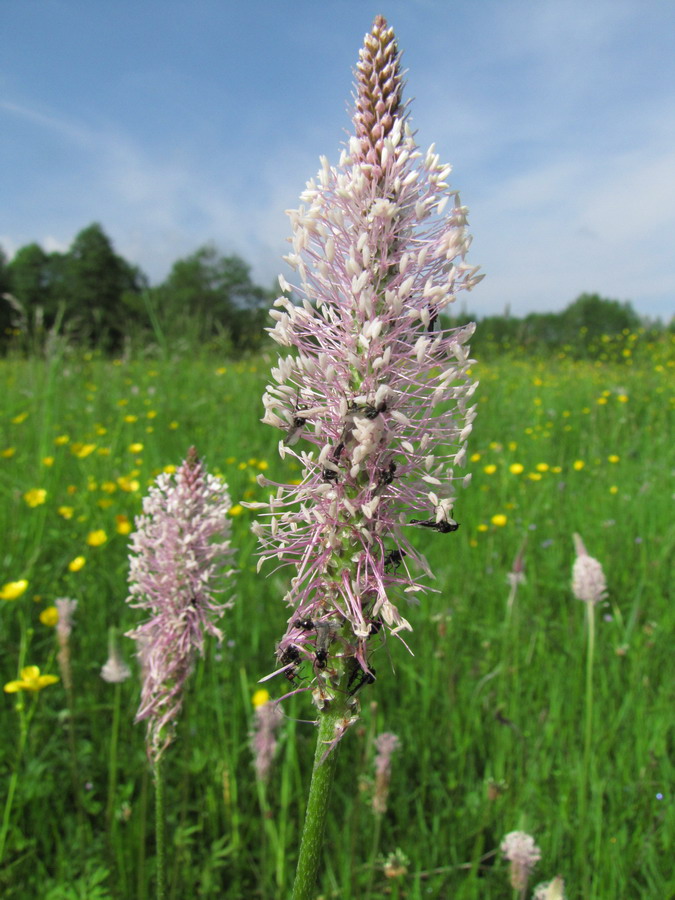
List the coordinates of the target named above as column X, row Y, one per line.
column 490, row 710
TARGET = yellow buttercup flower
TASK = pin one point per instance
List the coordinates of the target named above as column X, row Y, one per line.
column 17, row 420
column 13, row 589
column 122, row 525
column 236, row 510
column 8, row 452
column 82, row 451
column 65, row 511
column 47, row 460
column 97, row 538
column 260, row 698
column 499, row 520
column 76, row 564
column 49, row 616
column 578, row 465
column 35, row 497
column 490, row 469
column 516, row 468
column 135, row 448
column 61, row 439
column 30, row 680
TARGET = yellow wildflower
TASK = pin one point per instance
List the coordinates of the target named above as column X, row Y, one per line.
column 130, row 485
column 76, row 564
column 97, row 538
column 49, row 616
column 236, row 510
column 613, row 458
column 474, row 457
column 260, row 697
column 614, row 489
column 622, row 398
column 263, row 465
column 35, row 497
column 516, row 468
column 61, row 439
column 170, row 469
column 17, row 420
column 490, row 469
column 47, row 460
column 8, row 452
column 122, row 524
column 66, row 512
column 542, row 467
column 499, row 520
column 578, row 465
column 135, row 448
column 173, row 425
column 82, row 451
column 31, row 680
column 534, row 476
column 131, row 419
column 13, row 589
column 482, row 527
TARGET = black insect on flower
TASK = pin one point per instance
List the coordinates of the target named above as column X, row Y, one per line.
column 372, row 412
column 442, row 527
column 358, row 679
column 393, row 559
column 385, row 477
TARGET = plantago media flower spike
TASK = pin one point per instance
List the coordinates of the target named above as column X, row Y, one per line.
column 375, row 398
column 178, row 553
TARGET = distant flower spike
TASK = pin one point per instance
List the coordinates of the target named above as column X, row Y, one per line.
column 177, row 560
column 378, row 390
column 588, row 579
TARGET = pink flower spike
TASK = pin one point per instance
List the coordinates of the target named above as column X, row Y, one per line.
column 178, row 554
column 375, row 401
column 588, row 579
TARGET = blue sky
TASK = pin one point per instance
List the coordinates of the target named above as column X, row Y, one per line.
column 176, row 123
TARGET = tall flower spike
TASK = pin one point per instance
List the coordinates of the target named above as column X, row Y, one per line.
column 377, row 391
column 178, row 554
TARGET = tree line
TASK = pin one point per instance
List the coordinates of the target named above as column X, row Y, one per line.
column 97, row 298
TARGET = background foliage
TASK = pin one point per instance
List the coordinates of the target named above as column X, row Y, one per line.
column 489, row 709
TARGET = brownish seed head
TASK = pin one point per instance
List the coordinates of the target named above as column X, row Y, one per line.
column 379, row 88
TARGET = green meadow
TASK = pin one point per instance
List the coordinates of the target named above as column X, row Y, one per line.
column 491, row 705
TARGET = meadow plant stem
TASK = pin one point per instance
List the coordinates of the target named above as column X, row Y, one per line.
column 112, row 759
column 588, row 727
column 375, row 846
column 317, row 806
column 159, row 830
column 23, row 735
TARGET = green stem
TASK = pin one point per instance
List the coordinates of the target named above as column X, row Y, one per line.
column 112, row 760
column 23, row 734
column 588, row 729
column 317, row 805
column 159, row 831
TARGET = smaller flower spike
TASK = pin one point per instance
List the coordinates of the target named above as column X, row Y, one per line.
column 588, row 579
column 521, row 851
column 178, row 553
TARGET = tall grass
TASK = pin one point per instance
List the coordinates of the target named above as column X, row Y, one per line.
column 489, row 710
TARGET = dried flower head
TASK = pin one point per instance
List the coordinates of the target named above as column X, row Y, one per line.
column 378, row 391
column 66, row 609
column 178, row 554
column 114, row 670
column 550, row 890
column 268, row 717
column 588, row 579
column 386, row 744
column 521, row 851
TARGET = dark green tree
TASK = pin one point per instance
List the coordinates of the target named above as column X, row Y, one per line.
column 590, row 316
column 96, row 282
column 207, row 295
